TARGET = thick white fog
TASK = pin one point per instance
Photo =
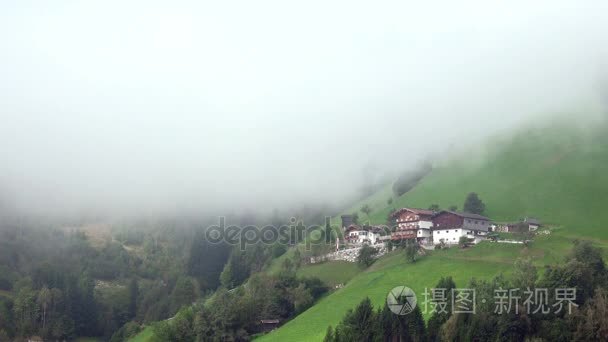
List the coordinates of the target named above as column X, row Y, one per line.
column 194, row 105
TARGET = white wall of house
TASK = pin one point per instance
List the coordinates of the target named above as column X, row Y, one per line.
column 361, row 236
column 425, row 224
column 424, row 233
column 424, row 236
column 452, row 236
column 449, row 236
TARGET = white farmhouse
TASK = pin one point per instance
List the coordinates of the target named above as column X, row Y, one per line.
column 359, row 235
column 449, row 226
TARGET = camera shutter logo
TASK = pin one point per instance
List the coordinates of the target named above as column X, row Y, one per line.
column 401, row 300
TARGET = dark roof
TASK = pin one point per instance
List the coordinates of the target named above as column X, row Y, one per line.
column 413, row 210
column 373, row 229
column 354, row 227
column 532, row 220
column 465, row 215
column 378, row 230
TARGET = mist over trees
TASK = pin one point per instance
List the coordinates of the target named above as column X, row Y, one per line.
column 65, row 284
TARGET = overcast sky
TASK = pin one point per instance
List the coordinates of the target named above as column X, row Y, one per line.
column 145, row 105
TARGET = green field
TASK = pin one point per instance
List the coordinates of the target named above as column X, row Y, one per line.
column 331, row 273
column 144, row 336
column 387, row 273
column 483, row 261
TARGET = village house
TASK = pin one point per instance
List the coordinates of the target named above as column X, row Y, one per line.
column 533, row 223
column 449, row 226
column 355, row 234
column 267, row 325
column 413, row 223
column 528, row 224
column 347, row 221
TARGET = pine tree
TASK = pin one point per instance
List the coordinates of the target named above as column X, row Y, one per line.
column 388, row 324
column 44, row 300
column 440, row 316
column 133, row 294
column 329, row 335
column 473, row 204
column 184, row 293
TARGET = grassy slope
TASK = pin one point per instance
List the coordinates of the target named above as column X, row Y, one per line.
column 331, row 273
column 377, row 201
column 376, row 282
column 557, row 174
column 144, row 336
column 483, row 261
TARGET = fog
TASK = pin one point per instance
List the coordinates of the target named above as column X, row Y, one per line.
column 144, row 106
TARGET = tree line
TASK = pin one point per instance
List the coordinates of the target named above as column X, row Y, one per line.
column 235, row 314
column 584, row 320
column 61, row 284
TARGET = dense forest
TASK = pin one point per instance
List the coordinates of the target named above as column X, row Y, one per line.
column 63, row 283
column 56, row 284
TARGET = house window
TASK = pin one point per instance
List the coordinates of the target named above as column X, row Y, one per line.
column 456, row 230
column 476, row 222
column 454, row 239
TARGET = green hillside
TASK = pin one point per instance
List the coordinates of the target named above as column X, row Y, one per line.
column 483, row 261
column 558, row 174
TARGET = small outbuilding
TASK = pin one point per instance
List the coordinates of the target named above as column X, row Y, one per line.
column 267, row 325
column 533, row 223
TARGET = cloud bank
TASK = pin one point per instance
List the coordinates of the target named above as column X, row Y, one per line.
column 116, row 106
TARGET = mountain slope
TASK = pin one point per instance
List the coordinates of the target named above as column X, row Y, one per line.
column 558, row 174
column 483, row 261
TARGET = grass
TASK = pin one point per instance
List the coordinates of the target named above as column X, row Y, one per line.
column 331, row 273
column 482, row 261
column 377, row 201
column 145, row 335
column 276, row 264
column 376, row 282
column 558, row 174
